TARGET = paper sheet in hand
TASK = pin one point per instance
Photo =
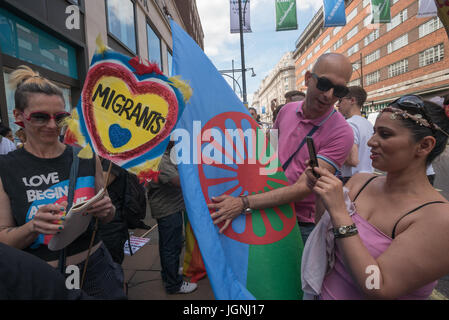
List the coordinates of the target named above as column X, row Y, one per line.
column 76, row 222
column 136, row 244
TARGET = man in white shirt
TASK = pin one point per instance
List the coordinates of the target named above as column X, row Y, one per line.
column 6, row 145
column 358, row 159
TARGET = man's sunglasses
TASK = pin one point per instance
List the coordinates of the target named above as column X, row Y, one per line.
column 324, row 84
column 41, row 118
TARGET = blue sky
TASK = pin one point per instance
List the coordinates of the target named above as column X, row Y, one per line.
column 263, row 47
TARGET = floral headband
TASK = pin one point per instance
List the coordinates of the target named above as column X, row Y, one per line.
column 418, row 118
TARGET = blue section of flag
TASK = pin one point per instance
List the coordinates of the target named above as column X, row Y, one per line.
column 211, row 97
column 334, row 13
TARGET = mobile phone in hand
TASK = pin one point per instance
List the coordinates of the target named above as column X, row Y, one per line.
column 313, row 162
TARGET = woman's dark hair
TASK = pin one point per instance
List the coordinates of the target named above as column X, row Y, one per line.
column 437, row 115
column 4, row 130
column 26, row 81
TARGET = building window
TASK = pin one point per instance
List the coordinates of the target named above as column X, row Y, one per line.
column 398, row 68
column 154, row 47
column 336, row 30
column 366, row 2
column 431, row 55
column 397, row 43
column 430, row 26
column 372, row 78
column 338, row 44
column 353, row 49
column 326, row 40
column 397, row 20
column 26, row 42
column 371, row 37
column 352, row 33
column 170, row 63
column 373, row 56
column 309, row 56
column 121, row 22
column 355, row 82
column 351, row 16
column 367, row 20
column 303, row 61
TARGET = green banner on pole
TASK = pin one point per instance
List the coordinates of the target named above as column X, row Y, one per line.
column 381, row 11
column 286, row 15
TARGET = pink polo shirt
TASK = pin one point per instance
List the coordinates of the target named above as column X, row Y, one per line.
column 333, row 141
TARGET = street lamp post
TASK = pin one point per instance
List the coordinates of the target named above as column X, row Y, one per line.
column 361, row 70
column 243, row 71
column 242, row 51
column 234, row 82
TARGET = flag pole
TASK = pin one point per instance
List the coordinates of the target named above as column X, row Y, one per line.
column 242, row 52
column 95, row 230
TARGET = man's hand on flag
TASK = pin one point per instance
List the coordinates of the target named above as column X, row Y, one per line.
column 226, row 208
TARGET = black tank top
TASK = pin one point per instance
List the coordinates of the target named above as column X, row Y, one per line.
column 31, row 182
column 393, row 234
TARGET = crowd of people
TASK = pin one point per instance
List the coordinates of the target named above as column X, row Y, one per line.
column 352, row 219
column 368, row 205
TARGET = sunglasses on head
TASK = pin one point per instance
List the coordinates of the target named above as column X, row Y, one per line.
column 414, row 105
column 324, row 84
column 40, row 118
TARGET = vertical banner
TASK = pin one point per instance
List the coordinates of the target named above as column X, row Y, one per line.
column 334, row 13
column 235, row 25
column 427, row 8
column 286, row 15
column 443, row 13
column 381, row 11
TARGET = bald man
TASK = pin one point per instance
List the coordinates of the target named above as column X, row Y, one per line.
column 314, row 116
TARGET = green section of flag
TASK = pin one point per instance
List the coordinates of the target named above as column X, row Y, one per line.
column 274, row 270
column 380, row 10
column 286, row 15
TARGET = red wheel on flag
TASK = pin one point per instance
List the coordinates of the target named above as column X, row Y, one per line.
column 233, row 161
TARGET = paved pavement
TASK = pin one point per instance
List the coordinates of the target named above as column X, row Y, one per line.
column 143, row 273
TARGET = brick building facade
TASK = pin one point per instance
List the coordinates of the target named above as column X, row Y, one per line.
column 407, row 55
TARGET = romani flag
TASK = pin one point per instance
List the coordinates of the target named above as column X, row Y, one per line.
column 259, row 254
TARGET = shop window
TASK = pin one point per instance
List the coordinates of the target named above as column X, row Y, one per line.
column 170, row 63
column 26, row 42
column 121, row 22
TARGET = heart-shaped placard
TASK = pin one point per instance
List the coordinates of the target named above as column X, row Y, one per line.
column 144, row 110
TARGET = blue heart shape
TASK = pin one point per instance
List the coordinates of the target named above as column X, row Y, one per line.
column 119, row 136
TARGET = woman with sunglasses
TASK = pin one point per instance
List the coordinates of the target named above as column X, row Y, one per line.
column 386, row 237
column 34, row 183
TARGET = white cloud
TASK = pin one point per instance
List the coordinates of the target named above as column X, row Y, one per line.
column 214, row 16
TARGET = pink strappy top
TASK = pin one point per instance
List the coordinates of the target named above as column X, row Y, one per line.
column 339, row 285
